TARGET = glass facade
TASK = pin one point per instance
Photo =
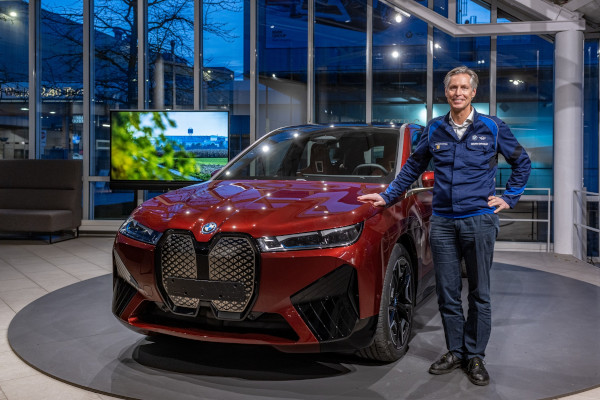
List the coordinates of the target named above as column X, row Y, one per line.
column 61, row 46
column 226, row 66
column 14, row 81
column 282, row 65
column 198, row 56
column 525, row 92
column 171, row 54
column 114, row 86
column 473, row 12
column 340, row 61
column 399, row 67
column 591, row 123
column 591, row 133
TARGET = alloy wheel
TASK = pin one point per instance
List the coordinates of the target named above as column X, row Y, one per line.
column 401, row 306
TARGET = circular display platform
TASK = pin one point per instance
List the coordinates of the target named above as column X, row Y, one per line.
column 544, row 343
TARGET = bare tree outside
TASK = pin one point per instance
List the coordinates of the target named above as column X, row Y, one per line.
column 170, row 29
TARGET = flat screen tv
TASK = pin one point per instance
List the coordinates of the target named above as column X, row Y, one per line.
column 166, row 149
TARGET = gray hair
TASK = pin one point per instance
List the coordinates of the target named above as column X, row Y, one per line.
column 462, row 70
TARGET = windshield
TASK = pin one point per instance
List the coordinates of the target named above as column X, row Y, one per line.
column 365, row 154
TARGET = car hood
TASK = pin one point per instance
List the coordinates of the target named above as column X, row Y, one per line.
column 259, row 208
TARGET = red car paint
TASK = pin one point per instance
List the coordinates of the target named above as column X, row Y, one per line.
column 260, row 208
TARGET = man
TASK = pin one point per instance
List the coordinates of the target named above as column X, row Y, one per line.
column 464, row 146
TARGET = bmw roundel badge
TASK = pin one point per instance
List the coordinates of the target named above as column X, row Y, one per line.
column 209, row 228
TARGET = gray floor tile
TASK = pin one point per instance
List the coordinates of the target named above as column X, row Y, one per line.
column 13, row 368
column 9, row 272
column 16, row 284
column 6, row 315
column 4, row 346
column 42, row 387
column 17, row 299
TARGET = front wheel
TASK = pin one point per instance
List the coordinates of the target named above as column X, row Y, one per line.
column 394, row 324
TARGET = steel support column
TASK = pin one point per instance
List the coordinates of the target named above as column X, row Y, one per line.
column 253, row 72
column 369, row 64
column 88, row 102
column 310, row 65
column 35, row 72
column 568, row 140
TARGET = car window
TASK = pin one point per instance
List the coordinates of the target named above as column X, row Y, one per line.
column 415, row 137
column 349, row 154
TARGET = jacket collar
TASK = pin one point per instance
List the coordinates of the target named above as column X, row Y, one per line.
column 448, row 126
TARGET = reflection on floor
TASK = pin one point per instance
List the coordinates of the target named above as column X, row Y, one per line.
column 31, row 269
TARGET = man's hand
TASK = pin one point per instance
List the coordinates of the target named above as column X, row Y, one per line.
column 497, row 202
column 374, row 199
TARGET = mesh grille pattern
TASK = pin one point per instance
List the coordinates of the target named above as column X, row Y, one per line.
column 178, row 260
column 233, row 259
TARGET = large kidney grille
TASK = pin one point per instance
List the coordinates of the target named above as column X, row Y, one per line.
column 231, row 258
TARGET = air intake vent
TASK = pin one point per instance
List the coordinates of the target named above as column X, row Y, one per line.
column 122, row 295
column 329, row 307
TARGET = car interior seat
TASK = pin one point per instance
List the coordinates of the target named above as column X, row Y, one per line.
column 319, row 161
column 388, row 161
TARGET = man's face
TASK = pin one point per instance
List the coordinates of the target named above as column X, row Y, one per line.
column 460, row 93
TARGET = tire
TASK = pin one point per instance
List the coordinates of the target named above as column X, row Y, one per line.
column 395, row 321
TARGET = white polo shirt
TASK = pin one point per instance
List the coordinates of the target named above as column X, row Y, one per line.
column 461, row 129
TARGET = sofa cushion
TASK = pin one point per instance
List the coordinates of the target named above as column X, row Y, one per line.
column 37, row 199
column 41, row 174
column 52, row 187
column 14, row 220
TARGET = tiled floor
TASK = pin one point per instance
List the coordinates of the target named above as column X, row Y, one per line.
column 30, row 269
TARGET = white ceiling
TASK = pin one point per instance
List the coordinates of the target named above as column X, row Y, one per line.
column 589, row 10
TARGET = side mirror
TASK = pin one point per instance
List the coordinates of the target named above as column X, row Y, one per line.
column 428, row 179
column 216, row 171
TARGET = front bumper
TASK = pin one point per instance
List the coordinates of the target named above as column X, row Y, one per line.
column 301, row 301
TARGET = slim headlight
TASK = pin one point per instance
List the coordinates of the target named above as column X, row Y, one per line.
column 337, row 237
column 134, row 230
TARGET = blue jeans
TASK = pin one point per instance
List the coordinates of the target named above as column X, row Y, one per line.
column 473, row 239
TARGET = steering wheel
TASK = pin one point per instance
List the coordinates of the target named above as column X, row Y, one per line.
column 371, row 167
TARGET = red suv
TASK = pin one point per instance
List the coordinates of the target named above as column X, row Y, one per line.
column 276, row 250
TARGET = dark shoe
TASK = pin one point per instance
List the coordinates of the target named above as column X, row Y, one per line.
column 446, row 364
column 477, row 373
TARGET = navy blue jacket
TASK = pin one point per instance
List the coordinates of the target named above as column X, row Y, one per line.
column 465, row 169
